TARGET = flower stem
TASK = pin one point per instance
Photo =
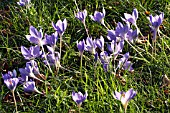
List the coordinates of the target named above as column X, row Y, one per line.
column 60, row 44
column 14, row 101
column 86, row 29
column 81, row 62
column 46, row 59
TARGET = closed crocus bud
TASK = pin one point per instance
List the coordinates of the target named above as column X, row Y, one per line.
column 60, row 26
column 81, row 46
column 82, row 16
column 29, row 87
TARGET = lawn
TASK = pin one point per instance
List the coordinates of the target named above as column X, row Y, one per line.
column 139, row 63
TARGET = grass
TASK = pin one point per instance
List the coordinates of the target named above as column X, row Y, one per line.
column 146, row 79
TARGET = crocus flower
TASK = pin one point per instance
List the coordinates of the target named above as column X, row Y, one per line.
column 29, row 86
column 112, row 35
column 23, row 2
column 11, row 83
column 105, row 60
column 9, row 75
column 51, row 39
column 60, row 26
column 132, row 35
column 36, row 36
column 156, row 21
column 81, row 46
column 100, row 43
column 124, row 64
column 79, row 97
column 81, row 16
column 125, row 97
column 98, row 16
column 31, row 53
column 53, row 59
column 132, row 18
column 28, row 71
column 115, row 48
column 90, row 45
column 122, row 30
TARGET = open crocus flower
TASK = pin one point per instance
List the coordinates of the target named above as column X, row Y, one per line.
column 99, row 16
column 31, row 53
column 79, row 97
column 60, row 26
column 112, row 35
column 155, row 21
column 29, row 86
column 36, row 36
column 81, row 46
column 90, row 45
column 11, row 83
column 23, row 2
column 125, row 97
column 132, row 35
column 51, row 39
column 100, row 43
column 131, row 18
column 81, row 16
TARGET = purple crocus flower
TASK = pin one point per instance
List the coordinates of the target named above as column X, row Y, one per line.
column 115, row 48
column 132, row 35
column 23, row 2
column 125, row 97
column 51, row 39
column 31, row 53
column 11, row 83
column 36, row 36
column 132, row 18
column 112, row 35
column 29, row 86
column 81, row 46
column 60, row 26
column 98, row 16
column 53, row 59
column 79, row 97
column 90, row 45
column 81, row 16
column 100, row 43
column 155, row 21
column 9, row 75
column 124, row 64
column 29, row 71
column 105, row 60
column 122, row 30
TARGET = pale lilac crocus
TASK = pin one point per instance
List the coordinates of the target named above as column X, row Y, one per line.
column 90, row 45
column 155, row 21
column 36, row 36
column 81, row 16
column 79, row 97
column 11, row 83
column 112, row 35
column 100, row 43
column 31, row 53
column 124, row 64
column 9, row 75
column 105, row 60
column 23, row 2
column 131, row 18
column 115, row 48
column 29, row 87
column 60, row 26
column 132, row 35
column 125, row 97
column 81, row 46
column 99, row 16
